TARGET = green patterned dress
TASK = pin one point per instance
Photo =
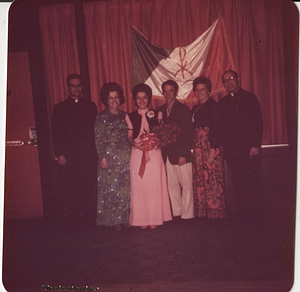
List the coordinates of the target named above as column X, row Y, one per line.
column 113, row 183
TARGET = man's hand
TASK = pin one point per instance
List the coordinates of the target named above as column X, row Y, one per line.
column 62, row 160
column 253, row 151
column 104, row 163
column 181, row 161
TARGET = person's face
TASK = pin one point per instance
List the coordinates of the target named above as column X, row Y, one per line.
column 230, row 82
column 169, row 93
column 142, row 100
column 202, row 93
column 75, row 88
column 113, row 100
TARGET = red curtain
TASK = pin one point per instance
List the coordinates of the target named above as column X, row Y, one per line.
column 254, row 32
column 58, row 30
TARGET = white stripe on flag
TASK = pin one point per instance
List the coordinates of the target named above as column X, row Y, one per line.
column 183, row 65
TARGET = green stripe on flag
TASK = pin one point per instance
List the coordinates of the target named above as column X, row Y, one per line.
column 145, row 57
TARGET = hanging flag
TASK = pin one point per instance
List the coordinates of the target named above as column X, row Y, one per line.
column 208, row 55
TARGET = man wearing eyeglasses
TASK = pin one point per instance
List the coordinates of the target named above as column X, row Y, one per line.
column 241, row 129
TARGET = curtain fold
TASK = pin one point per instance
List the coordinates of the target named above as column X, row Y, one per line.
column 58, row 30
column 254, row 34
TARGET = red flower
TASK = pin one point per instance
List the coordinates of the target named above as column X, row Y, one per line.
column 166, row 133
column 149, row 140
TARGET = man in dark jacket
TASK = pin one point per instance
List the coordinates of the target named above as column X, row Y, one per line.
column 74, row 145
column 241, row 130
column 177, row 155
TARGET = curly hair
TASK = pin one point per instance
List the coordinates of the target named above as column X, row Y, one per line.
column 110, row 87
column 202, row 80
column 141, row 87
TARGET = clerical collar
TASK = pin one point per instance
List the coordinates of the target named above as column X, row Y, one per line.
column 234, row 93
column 75, row 100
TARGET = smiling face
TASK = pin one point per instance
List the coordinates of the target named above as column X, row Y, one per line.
column 230, row 82
column 142, row 100
column 75, row 88
column 113, row 101
column 202, row 93
column 169, row 94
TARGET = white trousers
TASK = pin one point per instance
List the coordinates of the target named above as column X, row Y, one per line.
column 180, row 186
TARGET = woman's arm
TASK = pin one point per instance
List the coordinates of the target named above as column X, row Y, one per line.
column 130, row 134
column 131, row 140
column 99, row 141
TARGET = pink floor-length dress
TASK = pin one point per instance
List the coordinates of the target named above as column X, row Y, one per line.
column 150, row 203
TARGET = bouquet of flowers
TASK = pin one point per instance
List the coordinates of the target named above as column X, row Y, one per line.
column 149, row 140
column 166, row 133
column 161, row 135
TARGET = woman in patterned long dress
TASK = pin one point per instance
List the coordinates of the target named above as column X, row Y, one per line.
column 150, row 205
column 113, row 182
column 208, row 170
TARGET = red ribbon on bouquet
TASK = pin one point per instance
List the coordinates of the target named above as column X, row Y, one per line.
column 151, row 141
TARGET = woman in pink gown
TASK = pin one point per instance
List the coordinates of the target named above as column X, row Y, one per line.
column 150, row 205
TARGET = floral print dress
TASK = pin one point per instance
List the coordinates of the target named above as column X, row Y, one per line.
column 208, row 179
column 113, row 182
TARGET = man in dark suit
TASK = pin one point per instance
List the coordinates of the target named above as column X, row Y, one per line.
column 241, row 130
column 177, row 156
column 74, row 146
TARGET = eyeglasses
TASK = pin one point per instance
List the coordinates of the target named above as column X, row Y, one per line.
column 226, row 80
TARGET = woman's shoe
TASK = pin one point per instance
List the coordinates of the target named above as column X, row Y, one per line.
column 152, row 226
column 144, row 227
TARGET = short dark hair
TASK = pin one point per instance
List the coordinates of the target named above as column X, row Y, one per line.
column 110, row 87
column 202, row 80
column 142, row 87
column 73, row 76
column 235, row 75
column 170, row 82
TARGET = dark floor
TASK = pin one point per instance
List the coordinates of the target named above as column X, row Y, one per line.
column 182, row 255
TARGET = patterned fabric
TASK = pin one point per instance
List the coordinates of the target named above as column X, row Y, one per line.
column 113, row 183
column 208, row 180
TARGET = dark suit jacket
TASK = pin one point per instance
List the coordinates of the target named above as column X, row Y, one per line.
column 181, row 117
column 241, row 123
column 73, row 130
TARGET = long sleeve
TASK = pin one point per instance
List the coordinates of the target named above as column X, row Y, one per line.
column 58, row 132
column 241, row 122
column 214, row 137
column 257, row 124
column 208, row 115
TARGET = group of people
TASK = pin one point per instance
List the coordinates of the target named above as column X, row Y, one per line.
column 139, row 185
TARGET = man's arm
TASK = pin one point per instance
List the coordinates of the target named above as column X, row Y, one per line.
column 257, row 127
column 58, row 135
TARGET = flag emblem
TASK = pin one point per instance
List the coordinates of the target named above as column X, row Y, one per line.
column 208, row 55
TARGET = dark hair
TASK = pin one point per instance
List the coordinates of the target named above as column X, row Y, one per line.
column 202, row 80
column 141, row 87
column 235, row 75
column 73, row 76
column 110, row 87
column 170, row 82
